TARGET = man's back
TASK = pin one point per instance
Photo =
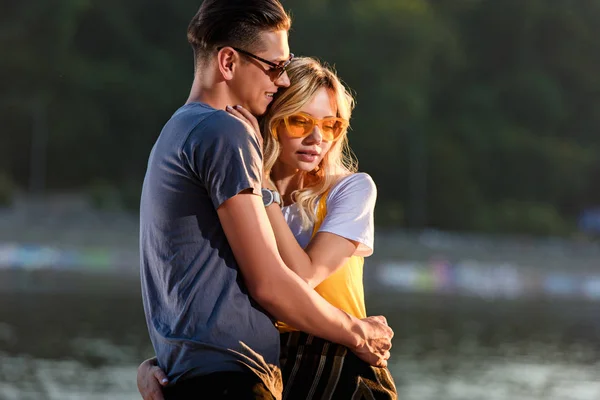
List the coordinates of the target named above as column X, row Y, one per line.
column 199, row 315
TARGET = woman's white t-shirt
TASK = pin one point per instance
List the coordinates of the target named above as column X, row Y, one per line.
column 350, row 213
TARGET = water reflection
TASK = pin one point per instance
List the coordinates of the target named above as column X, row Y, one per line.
column 72, row 336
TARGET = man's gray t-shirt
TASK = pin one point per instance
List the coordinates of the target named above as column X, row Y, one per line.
column 199, row 314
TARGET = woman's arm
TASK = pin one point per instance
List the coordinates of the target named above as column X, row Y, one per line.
column 346, row 230
column 325, row 253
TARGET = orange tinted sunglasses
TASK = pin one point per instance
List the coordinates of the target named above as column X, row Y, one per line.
column 300, row 125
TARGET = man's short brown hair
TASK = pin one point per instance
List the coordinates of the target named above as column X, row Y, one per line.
column 235, row 23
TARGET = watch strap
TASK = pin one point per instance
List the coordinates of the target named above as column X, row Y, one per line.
column 270, row 196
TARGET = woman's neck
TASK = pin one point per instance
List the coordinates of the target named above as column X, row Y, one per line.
column 286, row 180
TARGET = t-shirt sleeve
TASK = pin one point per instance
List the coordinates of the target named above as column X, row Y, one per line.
column 350, row 211
column 226, row 156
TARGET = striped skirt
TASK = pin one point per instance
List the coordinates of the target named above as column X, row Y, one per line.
column 317, row 369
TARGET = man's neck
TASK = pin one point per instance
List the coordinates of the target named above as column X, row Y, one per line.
column 207, row 91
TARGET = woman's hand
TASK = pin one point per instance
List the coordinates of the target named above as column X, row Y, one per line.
column 247, row 117
column 150, row 380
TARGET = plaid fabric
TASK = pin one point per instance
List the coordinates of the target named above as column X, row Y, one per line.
column 316, row 369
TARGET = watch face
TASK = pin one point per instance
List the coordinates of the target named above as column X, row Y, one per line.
column 267, row 196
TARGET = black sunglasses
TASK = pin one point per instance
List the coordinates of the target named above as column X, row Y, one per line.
column 277, row 69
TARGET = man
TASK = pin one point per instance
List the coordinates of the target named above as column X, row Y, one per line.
column 212, row 277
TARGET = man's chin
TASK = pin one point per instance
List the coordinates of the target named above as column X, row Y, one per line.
column 259, row 112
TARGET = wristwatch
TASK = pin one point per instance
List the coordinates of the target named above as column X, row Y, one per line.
column 270, row 196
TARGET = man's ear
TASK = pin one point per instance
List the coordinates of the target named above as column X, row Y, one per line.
column 227, row 60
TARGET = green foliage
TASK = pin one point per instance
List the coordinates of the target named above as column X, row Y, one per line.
column 389, row 213
column 7, row 190
column 130, row 195
column 104, row 196
column 522, row 217
column 481, row 114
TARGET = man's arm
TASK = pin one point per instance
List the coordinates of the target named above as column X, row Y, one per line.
column 324, row 255
column 285, row 295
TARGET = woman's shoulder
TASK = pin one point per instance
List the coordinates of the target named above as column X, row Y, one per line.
column 357, row 183
column 354, row 180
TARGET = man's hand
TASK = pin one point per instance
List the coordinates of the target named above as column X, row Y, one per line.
column 378, row 341
column 150, row 379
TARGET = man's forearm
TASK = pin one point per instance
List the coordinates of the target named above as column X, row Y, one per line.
column 274, row 286
column 289, row 299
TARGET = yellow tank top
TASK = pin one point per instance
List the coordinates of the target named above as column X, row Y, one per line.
column 344, row 288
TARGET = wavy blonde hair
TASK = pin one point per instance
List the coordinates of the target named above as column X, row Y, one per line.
column 308, row 75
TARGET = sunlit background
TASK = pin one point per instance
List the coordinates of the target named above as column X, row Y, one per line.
column 478, row 120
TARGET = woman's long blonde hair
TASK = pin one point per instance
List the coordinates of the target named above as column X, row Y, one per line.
column 307, row 75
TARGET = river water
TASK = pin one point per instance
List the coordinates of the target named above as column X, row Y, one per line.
column 69, row 335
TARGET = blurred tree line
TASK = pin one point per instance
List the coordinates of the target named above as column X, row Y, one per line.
column 471, row 114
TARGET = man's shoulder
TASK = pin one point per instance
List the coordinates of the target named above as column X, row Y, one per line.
column 212, row 124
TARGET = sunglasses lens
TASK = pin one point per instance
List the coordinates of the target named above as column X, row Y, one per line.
column 299, row 125
column 282, row 68
column 333, row 128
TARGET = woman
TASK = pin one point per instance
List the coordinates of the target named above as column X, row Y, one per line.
column 323, row 230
